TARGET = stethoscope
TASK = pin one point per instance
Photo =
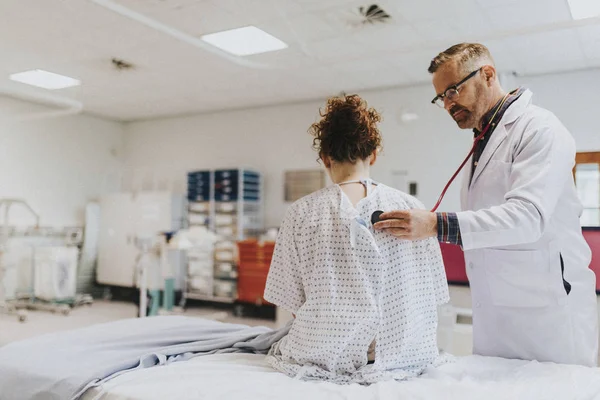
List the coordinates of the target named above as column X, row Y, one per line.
column 492, row 123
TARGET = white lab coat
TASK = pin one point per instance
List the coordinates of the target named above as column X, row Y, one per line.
column 520, row 215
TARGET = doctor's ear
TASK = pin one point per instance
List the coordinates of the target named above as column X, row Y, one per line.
column 489, row 74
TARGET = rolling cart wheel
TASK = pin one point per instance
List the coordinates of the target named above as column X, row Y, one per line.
column 238, row 310
column 22, row 318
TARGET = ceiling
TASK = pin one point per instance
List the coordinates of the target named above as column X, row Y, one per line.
column 175, row 75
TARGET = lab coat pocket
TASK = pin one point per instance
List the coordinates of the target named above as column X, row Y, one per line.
column 518, row 278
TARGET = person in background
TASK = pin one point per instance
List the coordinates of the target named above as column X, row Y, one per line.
column 365, row 305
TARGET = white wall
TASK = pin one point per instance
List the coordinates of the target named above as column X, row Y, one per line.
column 275, row 139
column 56, row 164
column 573, row 97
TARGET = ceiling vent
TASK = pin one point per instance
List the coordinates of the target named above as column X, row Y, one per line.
column 372, row 14
column 363, row 17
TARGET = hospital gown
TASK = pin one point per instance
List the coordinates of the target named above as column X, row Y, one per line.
column 349, row 286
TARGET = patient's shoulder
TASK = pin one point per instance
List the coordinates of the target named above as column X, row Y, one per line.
column 400, row 199
column 315, row 203
column 320, row 196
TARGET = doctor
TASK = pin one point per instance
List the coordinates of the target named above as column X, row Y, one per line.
column 527, row 261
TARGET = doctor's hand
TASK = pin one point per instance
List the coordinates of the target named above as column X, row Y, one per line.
column 413, row 224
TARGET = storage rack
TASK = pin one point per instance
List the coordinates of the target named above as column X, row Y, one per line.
column 231, row 205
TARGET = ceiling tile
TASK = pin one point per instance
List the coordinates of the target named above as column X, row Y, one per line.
column 287, row 59
column 526, row 14
column 256, row 11
column 590, row 40
column 384, row 77
column 366, row 67
column 200, row 18
column 433, row 10
column 498, row 3
column 388, row 37
column 414, row 64
column 327, row 52
column 593, row 62
column 336, row 49
column 303, row 28
column 320, row 5
column 539, row 53
column 156, row 6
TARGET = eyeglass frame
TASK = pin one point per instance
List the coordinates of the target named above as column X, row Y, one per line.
column 454, row 87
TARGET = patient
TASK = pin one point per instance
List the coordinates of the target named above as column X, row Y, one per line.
column 365, row 304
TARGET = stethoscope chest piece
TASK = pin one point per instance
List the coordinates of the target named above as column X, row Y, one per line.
column 375, row 216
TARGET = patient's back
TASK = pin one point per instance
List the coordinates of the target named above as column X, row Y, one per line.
column 349, row 285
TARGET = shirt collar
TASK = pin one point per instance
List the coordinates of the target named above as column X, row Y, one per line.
column 514, row 95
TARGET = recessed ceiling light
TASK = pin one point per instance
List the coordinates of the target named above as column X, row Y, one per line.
column 44, row 79
column 582, row 9
column 244, row 41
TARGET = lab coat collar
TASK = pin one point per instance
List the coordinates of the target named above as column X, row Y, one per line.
column 516, row 109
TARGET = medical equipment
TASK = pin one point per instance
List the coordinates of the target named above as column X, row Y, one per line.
column 5, row 306
column 127, row 216
column 207, row 278
column 154, row 270
column 228, row 202
column 45, row 259
column 485, row 130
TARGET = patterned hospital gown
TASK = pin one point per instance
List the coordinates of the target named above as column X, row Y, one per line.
column 350, row 285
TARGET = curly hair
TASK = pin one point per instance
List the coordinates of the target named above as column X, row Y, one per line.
column 347, row 131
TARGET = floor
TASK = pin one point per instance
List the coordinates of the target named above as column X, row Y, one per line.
column 42, row 322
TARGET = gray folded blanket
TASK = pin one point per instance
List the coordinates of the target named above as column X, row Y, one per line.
column 64, row 365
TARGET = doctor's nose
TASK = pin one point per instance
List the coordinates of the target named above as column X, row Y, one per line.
column 448, row 104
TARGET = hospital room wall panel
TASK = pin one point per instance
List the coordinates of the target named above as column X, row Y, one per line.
column 573, row 97
column 56, row 164
column 275, row 139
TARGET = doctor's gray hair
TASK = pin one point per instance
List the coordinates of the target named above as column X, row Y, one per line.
column 469, row 57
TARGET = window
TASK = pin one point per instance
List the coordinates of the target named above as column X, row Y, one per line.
column 587, row 179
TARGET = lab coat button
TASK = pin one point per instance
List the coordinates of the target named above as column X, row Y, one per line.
column 471, row 265
column 477, row 305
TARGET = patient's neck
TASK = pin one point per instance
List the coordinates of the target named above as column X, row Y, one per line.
column 343, row 172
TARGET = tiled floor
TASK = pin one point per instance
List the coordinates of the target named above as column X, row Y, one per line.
column 41, row 322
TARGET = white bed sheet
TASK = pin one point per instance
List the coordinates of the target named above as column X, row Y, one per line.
column 248, row 376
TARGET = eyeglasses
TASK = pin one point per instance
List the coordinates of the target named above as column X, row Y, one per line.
column 451, row 93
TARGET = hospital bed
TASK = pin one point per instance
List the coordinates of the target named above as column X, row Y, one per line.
column 49, row 362
column 248, row 376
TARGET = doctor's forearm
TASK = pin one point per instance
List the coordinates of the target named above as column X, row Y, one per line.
column 512, row 223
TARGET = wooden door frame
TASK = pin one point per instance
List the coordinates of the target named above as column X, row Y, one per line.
column 586, row 157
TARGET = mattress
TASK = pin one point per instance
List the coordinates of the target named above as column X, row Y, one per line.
column 248, row 376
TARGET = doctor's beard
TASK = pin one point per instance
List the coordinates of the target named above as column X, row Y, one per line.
column 462, row 116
